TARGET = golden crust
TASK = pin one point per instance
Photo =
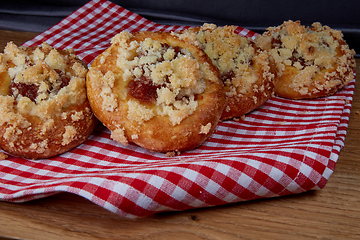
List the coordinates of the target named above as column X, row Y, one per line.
column 156, row 91
column 311, row 61
column 43, row 104
column 245, row 69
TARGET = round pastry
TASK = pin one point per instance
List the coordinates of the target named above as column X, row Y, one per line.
column 245, row 69
column 311, row 61
column 43, row 105
column 157, row 91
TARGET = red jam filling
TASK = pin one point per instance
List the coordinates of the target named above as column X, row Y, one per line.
column 30, row 90
column 24, row 89
column 143, row 89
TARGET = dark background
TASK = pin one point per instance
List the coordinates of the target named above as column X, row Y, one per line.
column 256, row 15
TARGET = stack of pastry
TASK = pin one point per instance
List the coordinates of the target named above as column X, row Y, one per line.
column 165, row 92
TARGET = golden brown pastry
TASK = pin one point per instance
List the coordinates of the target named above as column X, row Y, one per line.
column 245, row 69
column 43, row 105
column 311, row 61
column 157, row 91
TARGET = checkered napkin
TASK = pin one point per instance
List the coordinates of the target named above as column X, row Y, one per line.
column 285, row 147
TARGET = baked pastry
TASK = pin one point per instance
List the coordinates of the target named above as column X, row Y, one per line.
column 245, row 69
column 3, row 156
column 311, row 61
column 43, row 105
column 157, row 91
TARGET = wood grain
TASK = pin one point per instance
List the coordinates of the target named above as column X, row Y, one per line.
column 331, row 213
column 17, row 37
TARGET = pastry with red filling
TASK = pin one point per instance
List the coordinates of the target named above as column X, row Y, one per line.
column 245, row 69
column 157, row 91
column 43, row 105
column 311, row 62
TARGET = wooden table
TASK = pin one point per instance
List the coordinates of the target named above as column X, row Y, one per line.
column 331, row 213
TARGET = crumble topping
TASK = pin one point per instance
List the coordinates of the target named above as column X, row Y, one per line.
column 231, row 53
column 49, row 124
column 39, row 147
column 310, row 50
column 69, row 135
column 119, row 136
column 3, row 156
column 138, row 112
column 205, row 129
column 77, row 116
column 161, row 79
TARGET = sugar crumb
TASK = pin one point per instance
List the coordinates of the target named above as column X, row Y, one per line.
column 3, row 156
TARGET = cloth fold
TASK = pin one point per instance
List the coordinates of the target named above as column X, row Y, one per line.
column 285, row 147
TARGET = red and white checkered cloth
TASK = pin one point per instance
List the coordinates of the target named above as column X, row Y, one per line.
column 285, row 147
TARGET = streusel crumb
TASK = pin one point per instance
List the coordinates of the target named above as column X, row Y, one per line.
column 39, row 88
